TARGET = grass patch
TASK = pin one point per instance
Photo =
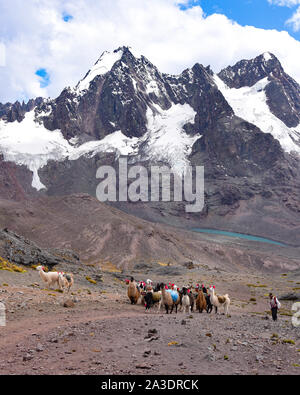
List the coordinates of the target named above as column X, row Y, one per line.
column 257, row 313
column 89, row 279
column 10, row 267
column 172, row 343
column 163, row 264
column 257, row 286
column 110, row 268
column 285, row 313
column 288, row 341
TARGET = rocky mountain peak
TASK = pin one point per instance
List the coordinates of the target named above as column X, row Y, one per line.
column 282, row 93
column 249, row 72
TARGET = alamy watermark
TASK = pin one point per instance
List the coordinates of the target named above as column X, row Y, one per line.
column 296, row 315
column 157, row 183
column 2, row 314
column 2, row 55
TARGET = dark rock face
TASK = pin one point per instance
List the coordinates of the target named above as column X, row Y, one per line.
column 111, row 103
column 197, row 88
column 249, row 72
column 283, row 95
column 12, row 112
column 19, row 250
column 119, row 100
column 15, row 181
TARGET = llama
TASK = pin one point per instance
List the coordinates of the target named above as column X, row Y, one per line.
column 151, row 298
column 148, row 286
column 50, row 278
column 192, row 298
column 133, row 291
column 169, row 298
column 209, row 306
column 219, row 300
column 188, row 291
column 185, row 301
column 65, row 280
column 201, row 301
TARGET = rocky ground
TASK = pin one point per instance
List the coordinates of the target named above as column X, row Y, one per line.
column 101, row 333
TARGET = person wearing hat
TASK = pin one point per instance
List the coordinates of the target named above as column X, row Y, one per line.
column 275, row 305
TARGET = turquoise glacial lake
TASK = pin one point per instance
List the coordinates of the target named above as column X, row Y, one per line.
column 238, row 235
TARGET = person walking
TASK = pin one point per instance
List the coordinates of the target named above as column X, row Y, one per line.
column 275, row 305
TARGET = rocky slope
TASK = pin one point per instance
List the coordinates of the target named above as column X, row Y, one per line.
column 103, row 235
column 17, row 249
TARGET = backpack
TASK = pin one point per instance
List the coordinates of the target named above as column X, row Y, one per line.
column 275, row 303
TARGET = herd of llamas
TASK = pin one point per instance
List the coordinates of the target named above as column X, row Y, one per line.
column 170, row 297
column 162, row 295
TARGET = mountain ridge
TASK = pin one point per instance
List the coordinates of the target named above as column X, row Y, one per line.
column 245, row 133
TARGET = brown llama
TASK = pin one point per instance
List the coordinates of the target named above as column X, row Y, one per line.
column 133, row 291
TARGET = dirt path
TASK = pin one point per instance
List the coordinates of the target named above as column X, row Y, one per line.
column 128, row 341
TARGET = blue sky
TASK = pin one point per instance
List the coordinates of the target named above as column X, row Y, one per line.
column 67, row 17
column 258, row 13
column 44, row 77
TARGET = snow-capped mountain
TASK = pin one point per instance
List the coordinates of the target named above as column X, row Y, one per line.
column 260, row 92
column 124, row 104
column 242, row 124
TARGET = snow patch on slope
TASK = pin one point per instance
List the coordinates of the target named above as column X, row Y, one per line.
column 166, row 139
column 267, row 56
column 101, row 67
column 250, row 103
column 30, row 144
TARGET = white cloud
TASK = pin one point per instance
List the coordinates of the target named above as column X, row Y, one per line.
column 294, row 21
column 284, row 3
column 2, row 55
column 36, row 37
